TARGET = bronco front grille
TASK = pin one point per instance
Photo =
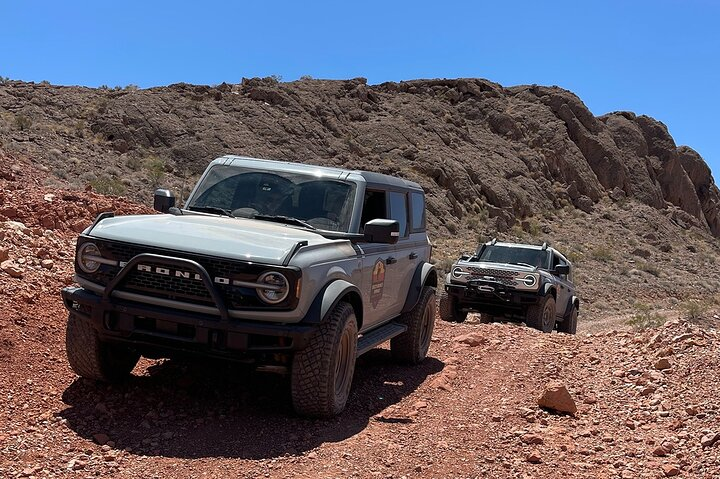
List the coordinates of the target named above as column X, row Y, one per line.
column 186, row 289
column 500, row 275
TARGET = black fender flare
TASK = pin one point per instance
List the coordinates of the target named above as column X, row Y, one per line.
column 574, row 302
column 329, row 296
column 425, row 275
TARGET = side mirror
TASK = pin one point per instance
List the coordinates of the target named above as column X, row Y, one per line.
column 382, row 231
column 163, row 200
column 562, row 269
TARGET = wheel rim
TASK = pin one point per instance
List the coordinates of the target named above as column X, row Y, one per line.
column 548, row 319
column 342, row 375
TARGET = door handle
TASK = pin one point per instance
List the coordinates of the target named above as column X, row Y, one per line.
column 390, row 260
column 413, row 255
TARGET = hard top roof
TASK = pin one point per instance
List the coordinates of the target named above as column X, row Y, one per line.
column 341, row 173
column 525, row 246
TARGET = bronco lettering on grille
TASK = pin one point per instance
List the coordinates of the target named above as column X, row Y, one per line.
column 146, row 268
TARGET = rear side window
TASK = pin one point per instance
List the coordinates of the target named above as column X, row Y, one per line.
column 417, row 204
column 399, row 210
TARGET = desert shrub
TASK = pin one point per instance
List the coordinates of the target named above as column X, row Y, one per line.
column 646, row 317
column 23, row 122
column 694, row 309
column 4, row 80
column 134, row 163
column 110, row 186
column 154, row 169
column 306, row 77
column 649, row 268
column 602, row 253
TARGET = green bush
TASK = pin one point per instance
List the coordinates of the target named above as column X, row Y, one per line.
column 694, row 309
column 645, row 317
column 23, row 122
column 111, row 186
column 603, row 254
column 155, row 169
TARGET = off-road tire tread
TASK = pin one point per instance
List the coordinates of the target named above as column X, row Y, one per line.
column 447, row 311
column 569, row 324
column 406, row 348
column 535, row 313
column 312, row 377
column 93, row 359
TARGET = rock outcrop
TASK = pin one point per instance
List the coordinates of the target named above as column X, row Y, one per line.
column 478, row 148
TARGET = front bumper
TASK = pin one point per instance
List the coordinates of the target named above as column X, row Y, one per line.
column 491, row 297
column 153, row 328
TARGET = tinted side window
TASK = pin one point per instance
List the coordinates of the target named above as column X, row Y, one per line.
column 374, row 207
column 417, row 202
column 399, row 211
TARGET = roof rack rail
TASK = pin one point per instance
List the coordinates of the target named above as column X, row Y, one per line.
column 544, row 246
column 494, row 240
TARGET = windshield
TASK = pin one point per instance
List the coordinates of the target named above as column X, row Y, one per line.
column 514, row 255
column 325, row 204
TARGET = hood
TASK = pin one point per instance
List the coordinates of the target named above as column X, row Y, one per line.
column 502, row 266
column 234, row 238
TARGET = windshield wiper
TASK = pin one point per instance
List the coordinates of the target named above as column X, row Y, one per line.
column 212, row 209
column 284, row 219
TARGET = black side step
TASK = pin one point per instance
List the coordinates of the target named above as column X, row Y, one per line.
column 378, row 336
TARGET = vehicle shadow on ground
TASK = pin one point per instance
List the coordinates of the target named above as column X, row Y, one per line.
column 212, row 409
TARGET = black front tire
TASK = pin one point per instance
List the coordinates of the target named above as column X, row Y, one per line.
column 569, row 324
column 92, row 358
column 411, row 347
column 542, row 315
column 448, row 310
column 322, row 373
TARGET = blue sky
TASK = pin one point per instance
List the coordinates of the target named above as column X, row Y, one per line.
column 659, row 57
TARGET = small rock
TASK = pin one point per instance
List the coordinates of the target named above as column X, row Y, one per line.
column 471, row 339
column 101, row 438
column 534, row 457
column 532, row 439
column 4, row 254
column 662, row 364
column 12, row 268
column 670, row 470
column 47, row 263
column 660, row 451
column 556, row 397
column 709, row 439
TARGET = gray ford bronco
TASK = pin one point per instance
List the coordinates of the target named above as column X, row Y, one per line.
column 293, row 268
column 513, row 281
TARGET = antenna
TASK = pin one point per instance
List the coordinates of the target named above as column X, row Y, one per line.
column 544, row 246
column 494, row 240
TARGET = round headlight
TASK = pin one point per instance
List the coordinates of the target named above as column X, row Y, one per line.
column 87, row 257
column 457, row 272
column 529, row 280
column 277, row 287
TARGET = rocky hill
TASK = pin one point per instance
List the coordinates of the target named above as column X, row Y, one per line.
column 478, row 148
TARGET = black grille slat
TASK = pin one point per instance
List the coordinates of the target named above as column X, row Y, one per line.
column 500, row 275
column 189, row 290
